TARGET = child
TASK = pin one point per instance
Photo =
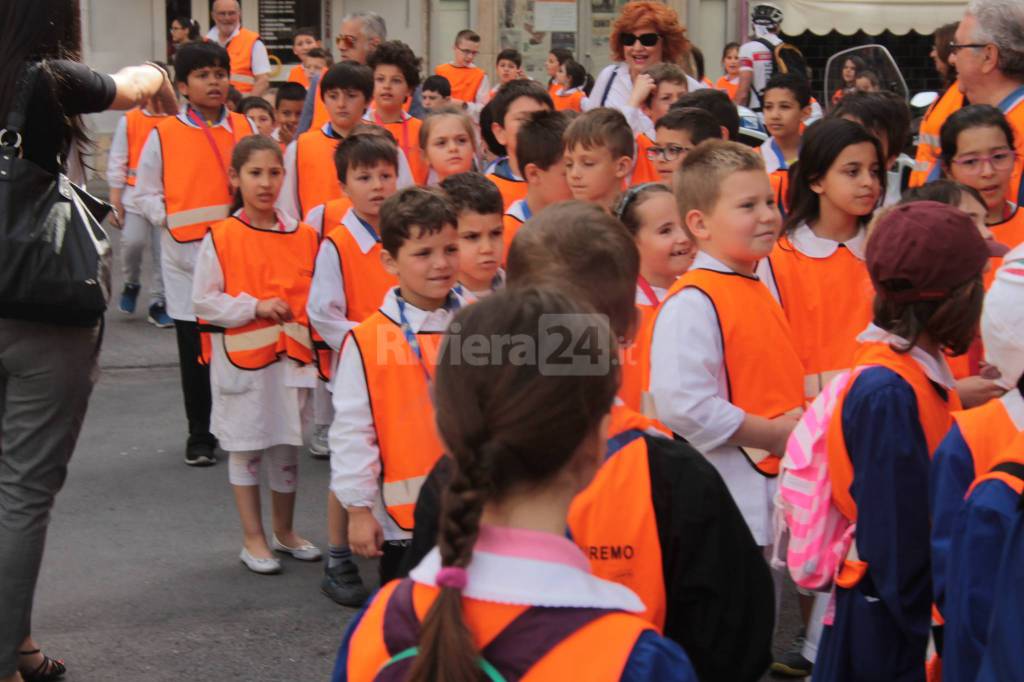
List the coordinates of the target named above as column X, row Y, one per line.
column 303, row 40
column 730, row 81
column 133, row 130
column 983, row 520
column 346, row 89
column 437, row 92
column 448, row 143
column 260, row 114
column 787, row 101
column 675, row 136
column 477, row 204
column 925, row 261
column 867, row 81
column 187, row 193
column 887, row 117
column 510, row 108
column 598, row 156
column 816, row 272
column 716, row 103
column 349, row 284
column 978, row 151
column 508, row 67
column 540, row 146
column 725, row 374
column 251, row 283
column 656, row 89
column 383, row 440
column 587, row 253
column 288, row 104
column 650, row 214
column 469, row 83
column 503, row 529
column 396, row 73
column 316, row 62
column 569, row 95
column 556, row 57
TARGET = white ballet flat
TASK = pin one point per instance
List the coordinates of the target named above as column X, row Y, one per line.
column 261, row 566
column 307, row 552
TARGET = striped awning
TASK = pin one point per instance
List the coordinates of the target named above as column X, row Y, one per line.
column 870, row 16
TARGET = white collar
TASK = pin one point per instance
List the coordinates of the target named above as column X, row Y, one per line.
column 515, row 210
column 563, row 92
column 224, row 122
column 471, row 65
column 370, row 112
column 504, row 577
column 420, row 320
column 290, row 224
column 934, row 366
column 358, row 231
column 809, row 244
column 1014, row 404
column 641, row 297
column 708, row 262
column 214, row 35
column 473, row 296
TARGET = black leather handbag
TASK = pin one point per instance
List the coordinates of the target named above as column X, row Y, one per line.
column 54, row 255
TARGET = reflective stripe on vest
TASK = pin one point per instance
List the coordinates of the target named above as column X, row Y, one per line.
column 240, row 50
column 195, row 185
column 929, row 145
column 936, row 418
column 598, row 651
column 827, row 302
column 138, row 126
column 764, row 374
column 990, row 428
column 316, row 175
column 403, row 414
column 267, row 264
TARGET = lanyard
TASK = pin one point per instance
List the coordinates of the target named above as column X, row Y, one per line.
column 405, row 129
column 245, row 219
column 411, row 338
column 779, row 155
column 527, row 213
column 194, row 116
column 1012, row 100
column 369, row 228
column 647, row 290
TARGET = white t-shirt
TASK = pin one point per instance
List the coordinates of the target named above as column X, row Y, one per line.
column 757, row 58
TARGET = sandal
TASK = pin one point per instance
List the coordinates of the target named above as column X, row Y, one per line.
column 47, row 671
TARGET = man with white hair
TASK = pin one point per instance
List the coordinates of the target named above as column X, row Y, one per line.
column 360, row 34
column 250, row 65
column 988, row 52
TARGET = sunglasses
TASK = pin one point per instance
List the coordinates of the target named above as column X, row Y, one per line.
column 346, row 40
column 646, row 39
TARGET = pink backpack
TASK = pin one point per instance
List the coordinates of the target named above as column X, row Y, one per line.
column 812, row 537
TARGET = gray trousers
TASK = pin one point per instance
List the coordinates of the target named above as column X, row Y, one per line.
column 46, row 376
column 135, row 234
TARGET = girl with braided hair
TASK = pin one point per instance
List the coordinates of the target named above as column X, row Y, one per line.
column 505, row 595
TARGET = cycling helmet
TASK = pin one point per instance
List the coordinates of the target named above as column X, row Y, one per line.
column 765, row 14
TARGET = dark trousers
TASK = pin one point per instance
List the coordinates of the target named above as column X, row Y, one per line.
column 195, row 383
column 393, row 551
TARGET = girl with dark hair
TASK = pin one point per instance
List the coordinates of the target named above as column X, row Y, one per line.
column 184, row 30
column 556, row 57
column 571, row 79
column 505, row 591
column 730, row 80
column 44, row 363
column 252, row 280
column 852, row 66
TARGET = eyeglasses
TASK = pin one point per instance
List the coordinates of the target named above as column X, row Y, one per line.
column 468, row 53
column 1000, row 161
column 669, row 152
column 346, row 40
column 646, row 39
column 954, row 47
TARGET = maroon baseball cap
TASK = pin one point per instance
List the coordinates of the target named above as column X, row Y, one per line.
column 923, row 250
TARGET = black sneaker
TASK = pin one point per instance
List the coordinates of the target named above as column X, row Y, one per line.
column 792, row 663
column 200, row 455
column 129, row 297
column 343, row 584
column 158, row 316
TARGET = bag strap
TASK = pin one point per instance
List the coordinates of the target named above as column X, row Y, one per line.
column 16, row 117
column 1015, row 469
column 401, row 626
column 608, row 87
column 194, row 116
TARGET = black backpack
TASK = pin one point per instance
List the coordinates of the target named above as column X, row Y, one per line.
column 786, row 58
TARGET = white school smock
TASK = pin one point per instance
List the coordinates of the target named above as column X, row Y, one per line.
column 177, row 260
column 355, row 456
column 690, row 389
column 252, row 409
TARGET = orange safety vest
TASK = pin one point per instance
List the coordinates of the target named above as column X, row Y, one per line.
column 465, row 80
column 511, row 190
column 988, row 430
column 643, row 168
column 553, row 88
column 299, row 75
column 511, row 227
column 316, row 174
column 598, row 651
column 636, row 359
column 407, row 134
column 762, row 366
column 403, row 412
column 828, row 302
column 334, row 213
column 571, row 102
column 267, row 264
column 929, row 147
column 320, row 115
column 138, row 126
column 196, row 189
column 936, row 418
column 780, row 188
column 621, row 540
column 1013, row 451
column 728, row 87
column 1015, row 117
column 240, row 50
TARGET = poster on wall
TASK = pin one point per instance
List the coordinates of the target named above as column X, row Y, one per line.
column 534, row 27
column 278, row 20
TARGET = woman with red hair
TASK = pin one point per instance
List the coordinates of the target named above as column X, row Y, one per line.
column 645, row 33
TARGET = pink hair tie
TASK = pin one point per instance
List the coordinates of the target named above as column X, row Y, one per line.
column 453, row 577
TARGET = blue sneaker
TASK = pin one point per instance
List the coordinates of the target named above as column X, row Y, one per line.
column 158, row 316
column 129, row 297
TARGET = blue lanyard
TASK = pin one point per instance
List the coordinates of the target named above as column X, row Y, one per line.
column 527, row 213
column 779, row 155
column 1011, row 100
column 369, row 228
column 410, row 335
